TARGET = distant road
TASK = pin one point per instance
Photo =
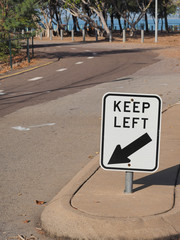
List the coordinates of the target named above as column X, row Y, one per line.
column 76, row 67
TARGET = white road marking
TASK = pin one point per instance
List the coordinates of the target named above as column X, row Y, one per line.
column 35, row 79
column 90, row 57
column 163, row 84
column 73, row 48
column 2, row 92
column 79, row 63
column 21, row 128
column 61, row 70
column 27, row 93
column 34, row 126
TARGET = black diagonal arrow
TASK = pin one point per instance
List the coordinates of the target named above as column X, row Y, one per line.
column 121, row 155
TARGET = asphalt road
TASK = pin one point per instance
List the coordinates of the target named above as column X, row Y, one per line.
column 50, row 121
column 75, row 67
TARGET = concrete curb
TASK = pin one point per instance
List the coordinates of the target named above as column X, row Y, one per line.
column 80, row 225
column 60, row 219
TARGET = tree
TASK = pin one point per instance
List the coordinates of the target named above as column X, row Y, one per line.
column 47, row 10
column 165, row 7
column 96, row 7
column 15, row 15
column 168, row 8
column 132, row 11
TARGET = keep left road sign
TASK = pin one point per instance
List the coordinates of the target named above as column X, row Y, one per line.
column 130, row 132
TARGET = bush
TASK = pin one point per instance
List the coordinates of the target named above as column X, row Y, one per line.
column 16, row 46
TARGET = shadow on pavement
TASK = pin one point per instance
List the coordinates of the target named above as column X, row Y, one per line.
column 166, row 177
column 65, row 54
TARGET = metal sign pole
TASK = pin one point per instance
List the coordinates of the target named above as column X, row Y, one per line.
column 129, row 182
column 156, row 21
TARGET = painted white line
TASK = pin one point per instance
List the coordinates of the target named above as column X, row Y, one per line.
column 2, row 92
column 34, row 126
column 27, row 93
column 24, row 93
column 90, row 57
column 163, row 84
column 35, row 79
column 42, row 125
column 61, row 70
column 79, row 63
column 21, row 128
column 73, row 48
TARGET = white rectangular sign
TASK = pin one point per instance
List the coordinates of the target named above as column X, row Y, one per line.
column 130, row 132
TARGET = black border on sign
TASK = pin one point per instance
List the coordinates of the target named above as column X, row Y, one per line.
column 103, row 124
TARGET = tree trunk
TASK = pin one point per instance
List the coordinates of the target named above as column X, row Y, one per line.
column 165, row 18
column 161, row 24
column 124, row 24
column 112, row 22
column 104, row 23
column 74, row 23
column 146, row 22
column 119, row 21
column 48, row 31
column 58, row 24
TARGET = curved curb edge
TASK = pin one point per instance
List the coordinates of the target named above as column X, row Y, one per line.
column 27, row 70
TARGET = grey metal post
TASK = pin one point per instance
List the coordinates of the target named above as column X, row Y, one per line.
column 28, row 56
column 84, row 38
column 142, row 36
column 32, row 46
column 72, row 34
column 40, row 35
column 23, row 32
column 50, row 34
column 110, row 36
column 10, row 53
column 129, row 182
column 61, row 34
column 156, row 21
column 96, row 35
column 124, row 35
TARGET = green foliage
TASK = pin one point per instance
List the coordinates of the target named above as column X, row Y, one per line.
column 15, row 15
column 4, row 50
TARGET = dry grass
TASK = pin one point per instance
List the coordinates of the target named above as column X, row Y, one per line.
column 169, row 44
